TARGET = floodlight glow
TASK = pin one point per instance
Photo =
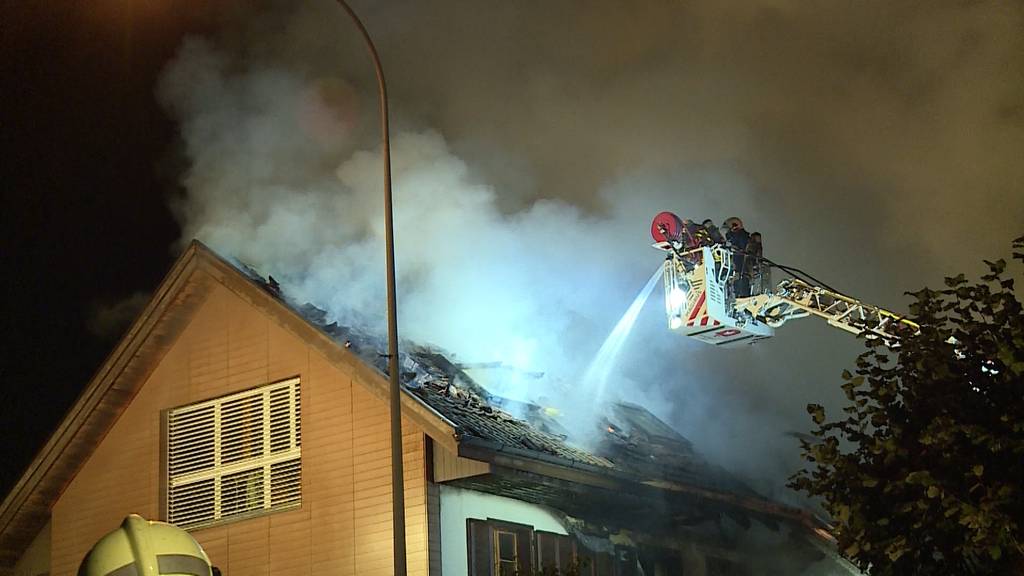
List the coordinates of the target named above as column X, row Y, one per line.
column 675, row 322
column 676, row 297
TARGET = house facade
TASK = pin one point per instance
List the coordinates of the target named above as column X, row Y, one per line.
column 265, row 432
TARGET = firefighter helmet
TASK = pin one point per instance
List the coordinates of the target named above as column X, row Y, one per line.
column 140, row 547
column 732, row 223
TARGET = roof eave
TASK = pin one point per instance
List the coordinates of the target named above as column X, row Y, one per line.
column 505, row 456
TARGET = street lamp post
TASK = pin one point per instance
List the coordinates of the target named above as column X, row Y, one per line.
column 397, row 474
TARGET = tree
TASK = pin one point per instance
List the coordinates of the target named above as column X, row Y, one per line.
column 924, row 472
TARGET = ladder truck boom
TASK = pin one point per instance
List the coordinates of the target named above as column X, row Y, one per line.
column 701, row 298
column 795, row 298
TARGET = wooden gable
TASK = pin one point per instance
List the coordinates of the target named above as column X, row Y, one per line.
column 210, row 331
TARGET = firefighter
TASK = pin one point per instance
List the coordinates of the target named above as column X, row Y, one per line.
column 738, row 238
column 735, row 233
column 754, row 253
column 713, row 232
column 694, row 234
column 141, row 547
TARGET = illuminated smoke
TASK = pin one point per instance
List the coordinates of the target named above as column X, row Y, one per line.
column 533, row 142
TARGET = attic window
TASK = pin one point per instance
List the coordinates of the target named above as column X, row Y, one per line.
column 234, row 456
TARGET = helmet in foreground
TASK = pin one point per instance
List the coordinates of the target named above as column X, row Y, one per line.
column 140, row 547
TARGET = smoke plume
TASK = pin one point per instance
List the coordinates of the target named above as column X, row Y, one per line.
column 876, row 145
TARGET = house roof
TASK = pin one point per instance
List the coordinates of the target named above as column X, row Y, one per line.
column 634, row 451
column 621, row 443
column 629, row 441
column 455, row 411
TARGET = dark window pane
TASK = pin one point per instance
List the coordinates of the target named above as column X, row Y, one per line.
column 506, row 546
column 506, row 553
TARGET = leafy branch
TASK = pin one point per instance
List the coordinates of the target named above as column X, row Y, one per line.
column 923, row 473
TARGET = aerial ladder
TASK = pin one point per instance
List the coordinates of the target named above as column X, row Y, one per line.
column 701, row 279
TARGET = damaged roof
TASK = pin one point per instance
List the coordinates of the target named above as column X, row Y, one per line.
column 640, row 467
column 631, row 441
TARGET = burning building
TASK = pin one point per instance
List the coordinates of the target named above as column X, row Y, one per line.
column 261, row 427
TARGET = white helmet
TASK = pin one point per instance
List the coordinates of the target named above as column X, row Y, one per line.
column 732, row 223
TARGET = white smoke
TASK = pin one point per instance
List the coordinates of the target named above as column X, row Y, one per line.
column 533, row 143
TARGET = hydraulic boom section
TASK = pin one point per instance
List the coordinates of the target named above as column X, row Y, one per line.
column 794, row 298
column 721, row 295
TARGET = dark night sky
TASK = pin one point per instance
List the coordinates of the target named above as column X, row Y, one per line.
column 876, row 144
column 86, row 177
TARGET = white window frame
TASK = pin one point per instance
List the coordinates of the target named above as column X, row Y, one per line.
column 191, row 436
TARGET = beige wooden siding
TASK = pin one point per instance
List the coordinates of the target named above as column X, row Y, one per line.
column 448, row 466
column 344, row 523
column 434, row 529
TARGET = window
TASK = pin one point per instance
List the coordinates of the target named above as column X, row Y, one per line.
column 234, row 456
column 505, row 554
column 556, row 553
column 499, row 548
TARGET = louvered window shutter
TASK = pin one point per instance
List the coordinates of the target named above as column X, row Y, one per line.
column 481, row 554
column 234, row 456
column 566, row 553
column 547, row 551
column 555, row 552
column 525, row 552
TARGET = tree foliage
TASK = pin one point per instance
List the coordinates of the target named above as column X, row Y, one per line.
column 924, row 472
